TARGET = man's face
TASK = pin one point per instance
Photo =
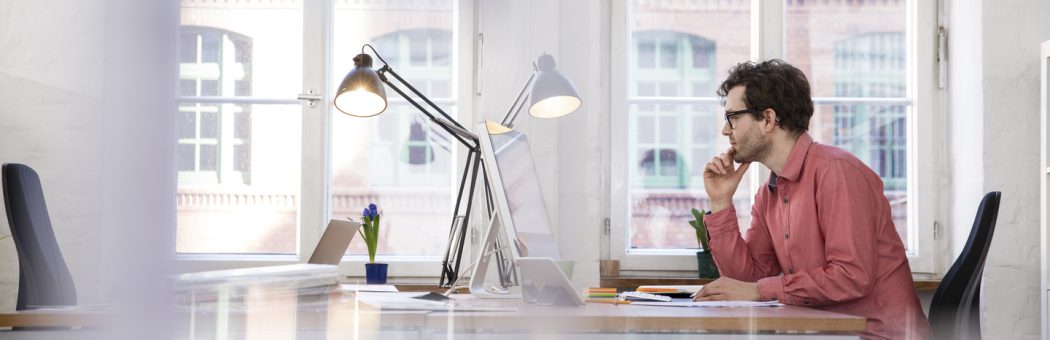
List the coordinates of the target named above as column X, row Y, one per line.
column 745, row 136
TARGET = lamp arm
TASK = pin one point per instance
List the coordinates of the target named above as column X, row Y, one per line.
column 519, row 102
column 450, row 125
column 465, row 196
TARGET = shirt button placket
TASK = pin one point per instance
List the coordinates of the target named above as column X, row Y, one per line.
column 787, row 222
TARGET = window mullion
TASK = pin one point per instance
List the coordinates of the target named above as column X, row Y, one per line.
column 316, row 133
column 768, row 39
column 767, row 30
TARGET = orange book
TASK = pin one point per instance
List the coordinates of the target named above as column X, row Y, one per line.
column 600, row 290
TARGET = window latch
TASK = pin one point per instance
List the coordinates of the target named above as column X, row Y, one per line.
column 312, row 98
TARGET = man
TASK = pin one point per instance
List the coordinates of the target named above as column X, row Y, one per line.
column 821, row 232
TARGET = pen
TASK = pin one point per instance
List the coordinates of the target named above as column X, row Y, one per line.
column 611, row 301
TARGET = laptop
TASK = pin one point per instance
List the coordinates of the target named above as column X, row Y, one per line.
column 334, row 241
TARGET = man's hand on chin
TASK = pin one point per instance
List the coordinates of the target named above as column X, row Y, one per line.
column 726, row 289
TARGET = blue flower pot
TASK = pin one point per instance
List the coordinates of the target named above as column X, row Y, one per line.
column 375, row 273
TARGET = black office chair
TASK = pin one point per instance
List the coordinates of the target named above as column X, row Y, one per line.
column 43, row 278
column 955, row 309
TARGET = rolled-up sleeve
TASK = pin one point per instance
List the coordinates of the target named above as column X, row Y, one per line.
column 745, row 259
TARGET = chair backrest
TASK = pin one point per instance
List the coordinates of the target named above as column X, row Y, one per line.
column 44, row 279
column 954, row 310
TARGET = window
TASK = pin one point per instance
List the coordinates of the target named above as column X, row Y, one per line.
column 861, row 60
column 239, row 145
column 666, row 130
column 261, row 172
column 214, row 62
column 872, row 65
column 672, row 120
column 860, row 81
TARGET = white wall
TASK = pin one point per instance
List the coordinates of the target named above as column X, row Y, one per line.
column 584, row 137
column 567, row 150
column 994, row 111
column 51, row 70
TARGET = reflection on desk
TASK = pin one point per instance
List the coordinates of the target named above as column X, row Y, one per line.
column 327, row 312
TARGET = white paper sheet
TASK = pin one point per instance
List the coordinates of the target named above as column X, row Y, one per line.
column 711, row 304
column 406, row 301
column 369, row 288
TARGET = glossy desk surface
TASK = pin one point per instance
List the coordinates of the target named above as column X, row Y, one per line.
column 330, row 312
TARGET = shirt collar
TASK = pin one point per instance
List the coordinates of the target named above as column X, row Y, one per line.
column 796, row 158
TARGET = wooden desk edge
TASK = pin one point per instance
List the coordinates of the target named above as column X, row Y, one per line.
column 498, row 322
column 54, row 319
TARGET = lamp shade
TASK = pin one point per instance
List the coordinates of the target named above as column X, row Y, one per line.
column 361, row 93
column 553, row 95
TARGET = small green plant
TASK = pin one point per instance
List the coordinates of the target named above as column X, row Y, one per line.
column 370, row 230
column 700, row 227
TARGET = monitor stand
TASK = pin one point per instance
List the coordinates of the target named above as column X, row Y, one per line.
column 504, row 265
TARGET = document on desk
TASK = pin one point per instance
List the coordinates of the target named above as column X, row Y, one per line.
column 368, row 288
column 710, row 304
column 407, row 301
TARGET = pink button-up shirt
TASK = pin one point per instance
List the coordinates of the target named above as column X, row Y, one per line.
column 823, row 237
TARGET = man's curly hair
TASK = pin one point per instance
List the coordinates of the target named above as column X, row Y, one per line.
column 773, row 84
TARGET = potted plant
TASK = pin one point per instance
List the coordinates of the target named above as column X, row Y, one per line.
column 375, row 273
column 705, row 264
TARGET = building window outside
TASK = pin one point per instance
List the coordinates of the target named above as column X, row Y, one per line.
column 666, row 131
column 873, row 65
column 423, row 150
column 239, row 141
column 856, row 61
column 240, row 129
column 677, row 53
column 214, row 139
column 854, row 54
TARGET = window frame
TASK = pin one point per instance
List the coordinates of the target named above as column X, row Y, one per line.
column 315, row 189
column 768, row 38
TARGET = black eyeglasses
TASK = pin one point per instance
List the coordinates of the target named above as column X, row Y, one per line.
column 731, row 114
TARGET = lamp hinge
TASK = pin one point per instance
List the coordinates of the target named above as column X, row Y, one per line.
column 607, row 229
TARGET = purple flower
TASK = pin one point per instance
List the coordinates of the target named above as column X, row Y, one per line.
column 373, row 210
column 364, row 214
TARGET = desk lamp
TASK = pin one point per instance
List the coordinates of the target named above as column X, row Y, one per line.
column 361, row 94
column 552, row 95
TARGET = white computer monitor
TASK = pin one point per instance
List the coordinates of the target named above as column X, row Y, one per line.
column 520, row 226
